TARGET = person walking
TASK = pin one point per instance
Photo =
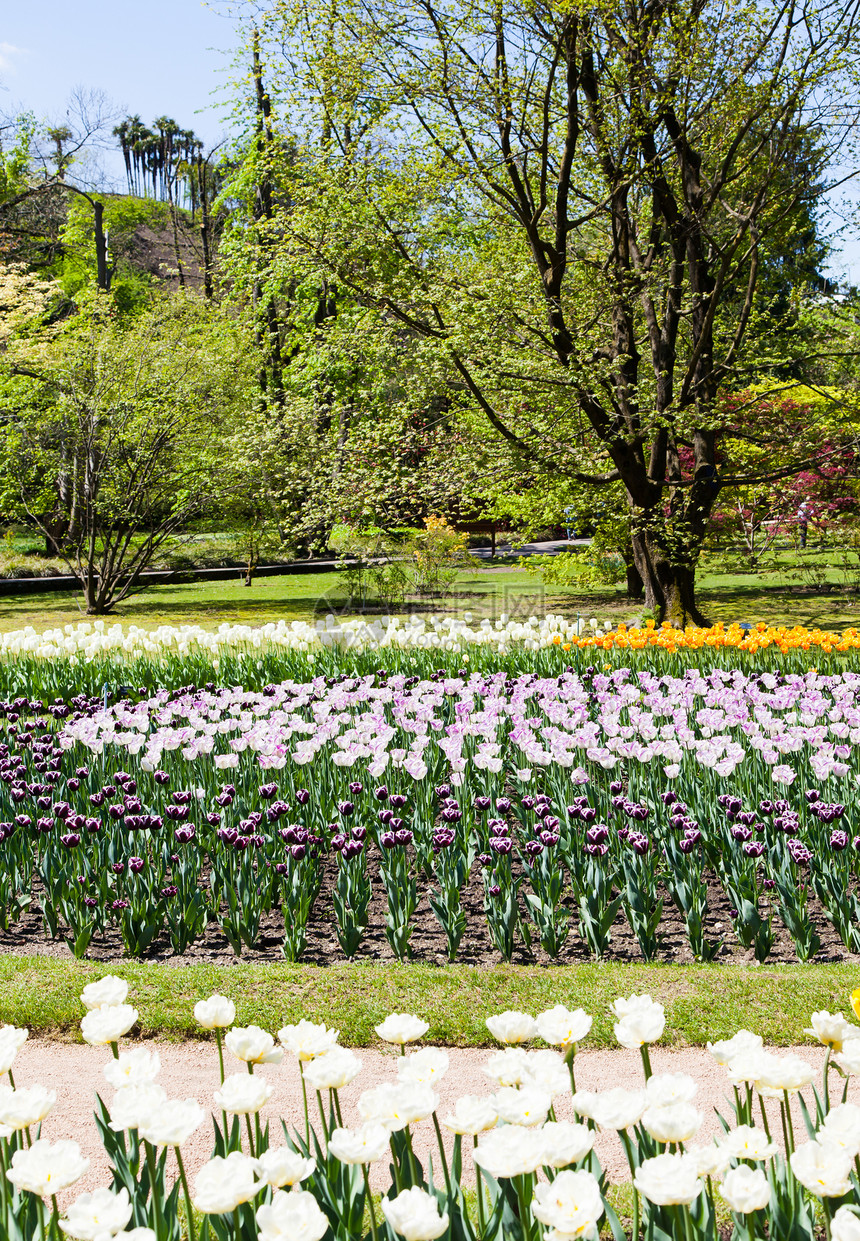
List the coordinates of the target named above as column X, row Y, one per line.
column 803, row 515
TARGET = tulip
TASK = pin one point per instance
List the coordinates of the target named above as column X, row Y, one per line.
column 96, row 1216
column 401, row 1028
column 224, row 1183
column 572, row 1204
column 745, row 1189
column 45, row 1168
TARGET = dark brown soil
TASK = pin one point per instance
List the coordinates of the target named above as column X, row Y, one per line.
column 428, row 942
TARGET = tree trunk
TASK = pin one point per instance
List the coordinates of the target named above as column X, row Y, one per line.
column 102, row 277
column 635, row 585
column 670, row 587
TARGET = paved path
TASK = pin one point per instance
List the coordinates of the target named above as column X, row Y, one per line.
column 190, row 1069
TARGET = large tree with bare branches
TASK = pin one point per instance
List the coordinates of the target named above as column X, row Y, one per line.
column 568, row 208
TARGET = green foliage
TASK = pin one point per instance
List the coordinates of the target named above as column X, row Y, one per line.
column 123, row 218
column 121, row 451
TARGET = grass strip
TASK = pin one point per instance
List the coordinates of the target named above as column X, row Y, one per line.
column 702, row 1002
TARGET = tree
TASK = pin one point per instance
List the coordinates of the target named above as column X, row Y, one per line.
column 572, row 206
column 127, row 453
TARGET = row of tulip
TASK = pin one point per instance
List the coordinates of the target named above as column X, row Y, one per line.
column 90, row 655
column 613, row 789
column 536, row 1176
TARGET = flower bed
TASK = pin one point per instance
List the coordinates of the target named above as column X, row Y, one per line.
column 545, row 807
column 783, row 1162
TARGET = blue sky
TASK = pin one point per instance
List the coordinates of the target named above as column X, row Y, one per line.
column 156, row 57
column 159, row 57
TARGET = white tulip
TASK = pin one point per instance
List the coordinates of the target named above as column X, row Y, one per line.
column 583, row 1103
column 845, row 1225
column 832, row 1029
column 849, row 1058
column 47, row 1167
column 783, row 1073
column 424, row 1067
column 510, row 1151
column 618, row 1108
column 133, row 1105
column 333, row 1070
column 664, row 1089
column 547, row 1070
column 822, row 1169
column 472, row 1114
column 414, row 1214
column 307, row 1040
column 563, row 1028
column 743, row 1041
column 108, row 992
column 216, row 1013
column 512, row 1027
column 396, row 1105
column 292, row 1217
column 565, row 1143
column 11, row 1040
column 136, row 1067
column 711, row 1160
column 173, row 1123
column 748, row 1142
column 224, row 1183
column 401, row 1028
column 243, row 1093
column 21, row 1108
column 745, row 1189
column 641, row 1020
column 365, row 1145
column 528, row 1106
column 281, row 1166
column 669, row 1180
column 107, row 1024
column 96, row 1216
column 253, row 1045
column 509, row 1067
column 679, row 1122
column 571, row 1204
column 841, row 1127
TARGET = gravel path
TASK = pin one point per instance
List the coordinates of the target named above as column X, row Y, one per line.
column 191, row 1070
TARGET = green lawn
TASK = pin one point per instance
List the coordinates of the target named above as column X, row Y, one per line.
column 702, row 1002
column 779, row 598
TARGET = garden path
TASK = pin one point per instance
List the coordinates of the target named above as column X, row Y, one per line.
column 190, row 1069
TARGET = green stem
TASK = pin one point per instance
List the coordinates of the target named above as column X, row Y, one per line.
column 482, row 1222
column 519, row 1181
column 192, row 1232
column 305, row 1101
column 764, row 1116
column 115, row 1050
column 750, row 1223
column 41, row 1218
column 337, row 1111
column 154, row 1190
column 398, row 1184
column 442, row 1154
column 373, row 1232
column 250, row 1134
column 236, row 1226
column 646, row 1060
column 220, row 1053
column 789, row 1149
column 322, row 1115
column 826, row 1082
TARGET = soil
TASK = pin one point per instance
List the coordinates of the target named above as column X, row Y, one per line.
column 428, row 943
